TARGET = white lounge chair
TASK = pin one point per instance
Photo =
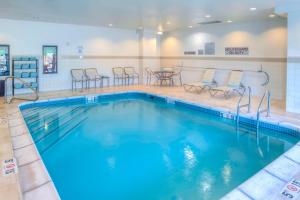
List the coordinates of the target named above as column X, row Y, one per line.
column 233, row 85
column 207, row 82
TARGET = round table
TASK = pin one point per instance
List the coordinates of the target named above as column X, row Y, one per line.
column 164, row 76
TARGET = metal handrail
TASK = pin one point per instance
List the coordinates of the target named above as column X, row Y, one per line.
column 36, row 97
column 239, row 106
column 260, row 110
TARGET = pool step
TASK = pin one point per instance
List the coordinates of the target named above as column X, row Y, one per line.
column 33, row 112
column 246, row 129
column 40, row 115
column 51, row 140
column 50, row 118
column 60, row 124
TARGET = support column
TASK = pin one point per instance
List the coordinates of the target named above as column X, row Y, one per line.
column 141, row 55
column 292, row 9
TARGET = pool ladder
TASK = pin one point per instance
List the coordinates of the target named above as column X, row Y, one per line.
column 262, row 110
column 239, row 106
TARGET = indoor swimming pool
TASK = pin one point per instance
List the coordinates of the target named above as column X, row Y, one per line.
column 139, row 146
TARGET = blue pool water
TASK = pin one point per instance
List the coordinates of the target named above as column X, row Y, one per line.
column 137, row 148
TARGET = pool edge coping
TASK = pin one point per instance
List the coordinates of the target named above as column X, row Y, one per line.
column 242, row 191
column 43, row 170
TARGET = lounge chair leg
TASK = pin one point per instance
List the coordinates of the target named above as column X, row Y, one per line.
column 213, row 93
column 180, row 80
column 201, row 89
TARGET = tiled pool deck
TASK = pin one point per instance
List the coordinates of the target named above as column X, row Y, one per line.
column 33, row 182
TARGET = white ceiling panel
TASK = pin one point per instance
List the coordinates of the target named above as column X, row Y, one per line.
column 130, row 14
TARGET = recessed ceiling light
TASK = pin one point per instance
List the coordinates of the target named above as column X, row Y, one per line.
column 110, row 25
column 272, row 15
column 168, row 23
column 252, row 9
column 159, row 33
column 190, row 26
column 229, row 21
column 207, row 16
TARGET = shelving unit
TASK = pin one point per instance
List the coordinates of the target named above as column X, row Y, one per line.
column 25, row 68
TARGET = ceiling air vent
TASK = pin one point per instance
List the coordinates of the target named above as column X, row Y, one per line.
column 210, row 22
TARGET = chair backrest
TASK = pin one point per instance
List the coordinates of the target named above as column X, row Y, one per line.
column 118, row 71
column 148, row 70
column 171, row 69
column 77, row 74
column 129, row 70
column 208, row 76
column 91, row 73
column 235, row 79
column 177, row 70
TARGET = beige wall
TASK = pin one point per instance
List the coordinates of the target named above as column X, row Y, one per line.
column 267, row 42
column 103, row 48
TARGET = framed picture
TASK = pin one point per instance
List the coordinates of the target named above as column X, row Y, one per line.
column 49, row 59
column 4, row 60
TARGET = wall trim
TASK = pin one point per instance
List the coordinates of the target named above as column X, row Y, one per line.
column 98, row 57
column 293, row 60
column 209, row 58
column 227, row 58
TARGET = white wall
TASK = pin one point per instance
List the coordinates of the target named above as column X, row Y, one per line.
column 292, row 8
column 103, row 48
column 151, row 51
column 267, row 42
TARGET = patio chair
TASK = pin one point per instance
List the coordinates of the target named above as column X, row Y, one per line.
column 119, row 75
column 93, row 75
column 78, row 76
column 131, row 74
column 150, row 75
column 177, row 75
column 233, row 85
column 207, row 82
column 171, row 69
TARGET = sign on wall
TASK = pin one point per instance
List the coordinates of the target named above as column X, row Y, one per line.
column 189, row 53
column 209, row 48
column 49, row 59
column 240, row 51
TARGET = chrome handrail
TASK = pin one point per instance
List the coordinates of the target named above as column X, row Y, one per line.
column 248, row 104
column 36, row 97
column 260, row 110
